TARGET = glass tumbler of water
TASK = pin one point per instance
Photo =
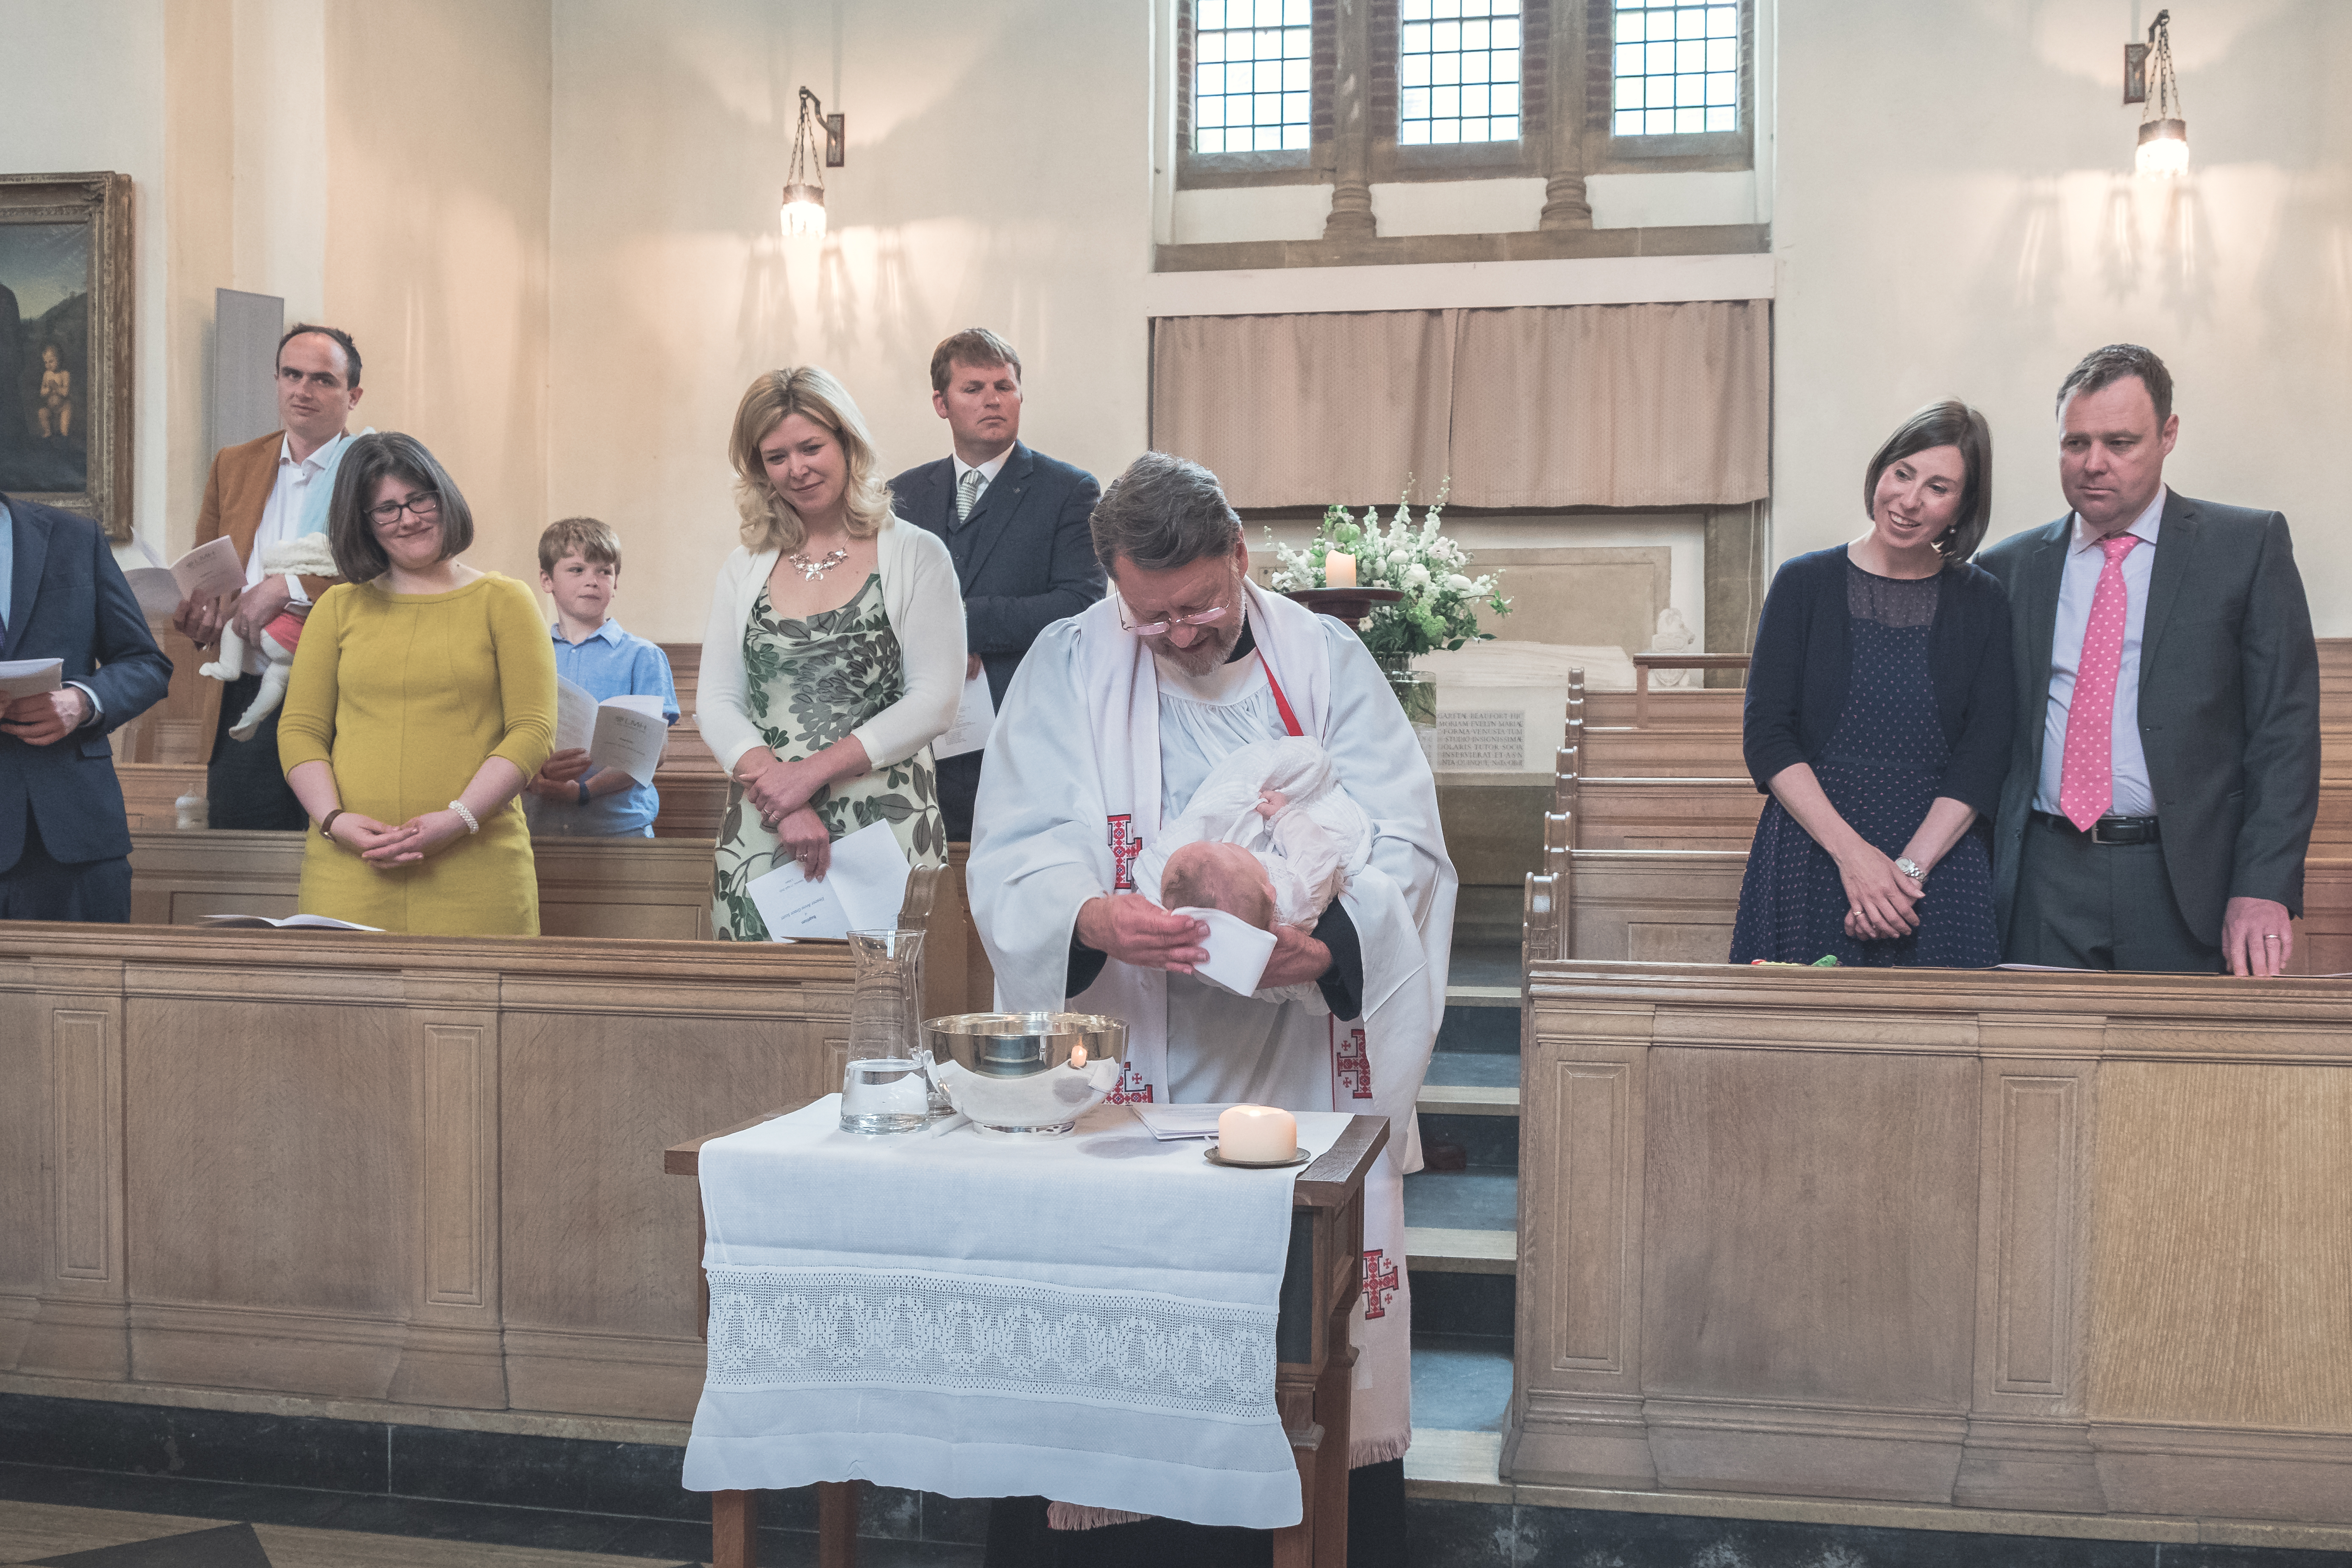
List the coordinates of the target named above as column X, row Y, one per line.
column 885, row 1094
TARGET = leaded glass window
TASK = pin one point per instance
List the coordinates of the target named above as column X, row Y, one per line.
column 1250, row 65
column 1676, row 69
column 1458, row 71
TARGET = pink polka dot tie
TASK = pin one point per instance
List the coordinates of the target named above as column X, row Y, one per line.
column 2086, row 784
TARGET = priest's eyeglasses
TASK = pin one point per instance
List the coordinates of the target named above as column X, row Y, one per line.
column 424, row 505
column 1161, row 628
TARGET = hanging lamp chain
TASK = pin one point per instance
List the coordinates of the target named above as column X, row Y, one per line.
column 2164, row 90
column 807, row 170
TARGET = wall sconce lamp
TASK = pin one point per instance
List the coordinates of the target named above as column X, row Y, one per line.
column 2163, row 131
column 805, row 186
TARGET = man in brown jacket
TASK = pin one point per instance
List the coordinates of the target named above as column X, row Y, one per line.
column 257, row 496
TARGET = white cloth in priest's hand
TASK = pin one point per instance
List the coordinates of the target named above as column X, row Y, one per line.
column 1039, row 1100
column 1238, row 951
column 1090, row 1318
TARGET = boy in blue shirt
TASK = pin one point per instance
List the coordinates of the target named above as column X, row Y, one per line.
column 579, row 567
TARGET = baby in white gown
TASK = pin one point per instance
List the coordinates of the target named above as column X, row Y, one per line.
column 1270, row 836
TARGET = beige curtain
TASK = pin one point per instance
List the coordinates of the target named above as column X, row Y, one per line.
column 1613, row 405
column 1616, row 406
column 1306, row 410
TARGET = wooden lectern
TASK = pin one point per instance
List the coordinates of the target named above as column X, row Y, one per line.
column 1316, row 1366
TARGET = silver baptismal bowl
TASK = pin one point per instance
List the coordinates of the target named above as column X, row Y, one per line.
column 1017, row 1044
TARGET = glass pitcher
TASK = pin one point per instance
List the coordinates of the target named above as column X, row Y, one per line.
column 885, row 1020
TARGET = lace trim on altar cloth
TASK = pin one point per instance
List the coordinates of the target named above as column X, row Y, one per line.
column 805, row 1328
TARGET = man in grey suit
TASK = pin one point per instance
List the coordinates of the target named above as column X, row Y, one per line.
column 1014, row 520
column 2165, row 769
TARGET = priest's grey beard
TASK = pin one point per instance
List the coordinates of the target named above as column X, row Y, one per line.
column 1211, row 650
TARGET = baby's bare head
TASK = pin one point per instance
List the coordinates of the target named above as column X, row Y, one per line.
column 1216, row 875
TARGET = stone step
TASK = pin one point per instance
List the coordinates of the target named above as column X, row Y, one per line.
column 1468, row 1098
column 1439, row 1250
column 1487, row 1070
column 1494, row 1031
column 1461, row 1383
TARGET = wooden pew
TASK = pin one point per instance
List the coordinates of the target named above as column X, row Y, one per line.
column 410, row 1169
column 2056, row 1242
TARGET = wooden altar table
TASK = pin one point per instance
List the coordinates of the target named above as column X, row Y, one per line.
column 1320, row 1282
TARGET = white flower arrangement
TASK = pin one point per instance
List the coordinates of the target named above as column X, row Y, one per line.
column 1441, row 603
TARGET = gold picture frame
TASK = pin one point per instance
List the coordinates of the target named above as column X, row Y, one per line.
column 65, row 344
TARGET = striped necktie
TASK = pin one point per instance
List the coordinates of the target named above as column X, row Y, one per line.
column 968, row 491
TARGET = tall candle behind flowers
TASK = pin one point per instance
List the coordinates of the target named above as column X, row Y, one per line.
column 1339, row 570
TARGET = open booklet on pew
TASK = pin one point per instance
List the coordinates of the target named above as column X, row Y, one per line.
column 292, row 922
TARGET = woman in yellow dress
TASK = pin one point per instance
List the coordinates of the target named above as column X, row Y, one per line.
column 422, row 698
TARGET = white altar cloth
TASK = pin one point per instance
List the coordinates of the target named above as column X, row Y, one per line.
column 1090, row 1319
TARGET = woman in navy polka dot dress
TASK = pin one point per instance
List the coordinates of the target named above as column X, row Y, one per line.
column 1877, row 719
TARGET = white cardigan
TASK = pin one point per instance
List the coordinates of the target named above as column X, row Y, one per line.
column 920, row 595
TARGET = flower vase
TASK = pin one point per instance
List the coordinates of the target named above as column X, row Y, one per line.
column 1416, row 693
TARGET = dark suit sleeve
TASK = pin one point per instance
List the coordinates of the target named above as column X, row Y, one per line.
column 1776, row 677
column 132, row 673
column 1980, row 763
column 2279, row 665
column 1009, row 623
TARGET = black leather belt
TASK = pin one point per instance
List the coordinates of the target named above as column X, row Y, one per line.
column 2112, row 830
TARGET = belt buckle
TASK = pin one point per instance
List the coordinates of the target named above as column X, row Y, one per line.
column 2117, row 843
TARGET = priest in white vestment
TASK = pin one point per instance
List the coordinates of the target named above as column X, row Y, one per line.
column 1112, row 723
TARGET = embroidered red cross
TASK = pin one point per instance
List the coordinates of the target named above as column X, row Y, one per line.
column 1379, row 1284
column 1130, row 1089
column 1352, row 1065
column 1126, row 844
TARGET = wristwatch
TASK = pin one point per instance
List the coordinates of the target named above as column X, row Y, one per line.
column 1911, row 869
column 583, row 784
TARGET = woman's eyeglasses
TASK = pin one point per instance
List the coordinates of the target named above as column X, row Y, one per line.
column 424, row 505
column 1159, row 628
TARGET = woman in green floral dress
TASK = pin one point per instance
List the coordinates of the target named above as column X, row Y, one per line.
column 835, row 653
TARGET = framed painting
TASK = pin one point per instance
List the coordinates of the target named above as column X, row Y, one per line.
column 65, row 344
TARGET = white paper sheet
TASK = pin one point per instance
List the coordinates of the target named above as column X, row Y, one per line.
column 626, row 732
column 628, row 738
column 975, row 715
column 1238, row 951
column 210, row 569
column 30, row 677
column 157, row 591
column 292, row 922
column 575, row 716
column 863, row 890
column 1173, row 1123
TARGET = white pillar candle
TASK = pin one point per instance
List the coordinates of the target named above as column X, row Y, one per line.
column 1339, row 571
column 1256, row 1134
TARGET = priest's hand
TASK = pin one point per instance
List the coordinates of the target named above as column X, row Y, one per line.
column 1133, row 930
column 1297, row 959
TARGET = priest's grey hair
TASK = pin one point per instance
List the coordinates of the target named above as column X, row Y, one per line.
column 1162, row 513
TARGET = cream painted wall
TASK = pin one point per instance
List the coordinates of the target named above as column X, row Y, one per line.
column 1970, row 231
column 437, row 115
column 84, row 90
column 999, row 174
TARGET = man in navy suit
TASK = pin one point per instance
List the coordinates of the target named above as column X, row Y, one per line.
column 65, row 846
column 1014, row 519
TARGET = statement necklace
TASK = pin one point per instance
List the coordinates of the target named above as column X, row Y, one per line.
column 813, row 571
